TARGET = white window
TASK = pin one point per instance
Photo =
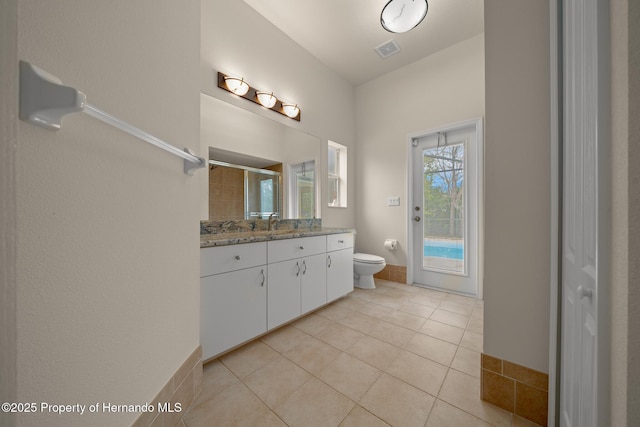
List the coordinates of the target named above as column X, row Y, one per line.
column 337, row 175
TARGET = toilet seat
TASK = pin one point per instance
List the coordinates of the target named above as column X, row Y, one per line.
column 368, row 259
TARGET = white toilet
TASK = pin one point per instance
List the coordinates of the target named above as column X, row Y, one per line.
column 364, row 267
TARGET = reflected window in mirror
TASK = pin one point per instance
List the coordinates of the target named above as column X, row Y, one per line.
column 302, row 186
column 337, row 175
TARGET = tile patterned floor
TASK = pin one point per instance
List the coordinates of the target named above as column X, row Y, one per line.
column 397, row 356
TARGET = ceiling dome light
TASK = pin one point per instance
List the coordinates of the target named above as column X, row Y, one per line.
column 400, row 16
column 266, row 99
column 236, row 85
column 291, row 110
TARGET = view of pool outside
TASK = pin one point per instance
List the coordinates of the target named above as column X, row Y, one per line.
column 444, row 254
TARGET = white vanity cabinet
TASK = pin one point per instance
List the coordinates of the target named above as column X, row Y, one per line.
column 250, row 288
column 297, row 278
column 233, row 296
column 339, row 265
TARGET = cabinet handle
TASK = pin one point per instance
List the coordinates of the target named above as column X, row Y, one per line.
column 304, row 264
column 340, row 241
column 298, row 265
column 263, row 277
column 301, row 247
column 329, row 256
column 237, row 257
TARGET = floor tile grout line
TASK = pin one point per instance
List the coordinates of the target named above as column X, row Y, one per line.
column 247, row 387
column 382, row 371
column 314, row 376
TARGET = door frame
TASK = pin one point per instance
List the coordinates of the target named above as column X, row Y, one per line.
column 555, row 250
column 479, row 187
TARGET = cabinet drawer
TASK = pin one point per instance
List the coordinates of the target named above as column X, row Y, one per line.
column 282, row 250
column 223, row 259
column 336, row 242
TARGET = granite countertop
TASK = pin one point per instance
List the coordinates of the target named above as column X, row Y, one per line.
column 235, row 238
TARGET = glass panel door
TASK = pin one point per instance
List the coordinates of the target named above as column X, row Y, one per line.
column 445, row 215
column 444, row 208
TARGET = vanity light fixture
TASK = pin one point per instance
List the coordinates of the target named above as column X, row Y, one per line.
column 400, row 16
column 236, row 85
column 291, row 110
column 266, row 99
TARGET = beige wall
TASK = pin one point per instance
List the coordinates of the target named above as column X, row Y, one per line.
column 620, row 210
column 625, row 154
column 441, row 89
column 8, row 132
column 107, row 225
column 634, row 213
column 237, row 40
column 517, row 182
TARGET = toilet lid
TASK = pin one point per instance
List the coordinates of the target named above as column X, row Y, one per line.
column 368, row 259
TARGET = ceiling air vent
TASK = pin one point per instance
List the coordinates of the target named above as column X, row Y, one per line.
column 387, row 49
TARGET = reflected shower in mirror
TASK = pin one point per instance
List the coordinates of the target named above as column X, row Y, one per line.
column 243, row 191
column 249, row 141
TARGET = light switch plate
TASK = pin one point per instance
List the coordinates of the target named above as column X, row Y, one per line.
column 393, row 201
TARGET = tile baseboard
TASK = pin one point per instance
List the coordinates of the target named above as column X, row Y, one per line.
column 393, row 273
column 515, row 388
column 182, row 388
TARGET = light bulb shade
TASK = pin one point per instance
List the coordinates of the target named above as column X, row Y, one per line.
column 236, row 85
column 266, row 99
column 291, row 110
column 400, row 16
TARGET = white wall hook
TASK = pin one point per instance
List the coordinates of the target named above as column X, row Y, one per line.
column 44, row 100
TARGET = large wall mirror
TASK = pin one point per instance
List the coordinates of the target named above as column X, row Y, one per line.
column 259, row 168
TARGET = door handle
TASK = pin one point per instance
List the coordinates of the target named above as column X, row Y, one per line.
column 417, row 218
column 584, row 292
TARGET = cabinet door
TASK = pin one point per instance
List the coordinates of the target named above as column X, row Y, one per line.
column 339, row 273
column 313, row 287
column 232, row 309
column 283, row 293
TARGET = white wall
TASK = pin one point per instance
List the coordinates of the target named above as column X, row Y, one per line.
column 231, row 128
column 444, row 88
column 107, row 225
column 517, row 182
column 236, row 40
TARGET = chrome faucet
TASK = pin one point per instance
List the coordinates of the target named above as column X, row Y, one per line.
column 272, row 220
